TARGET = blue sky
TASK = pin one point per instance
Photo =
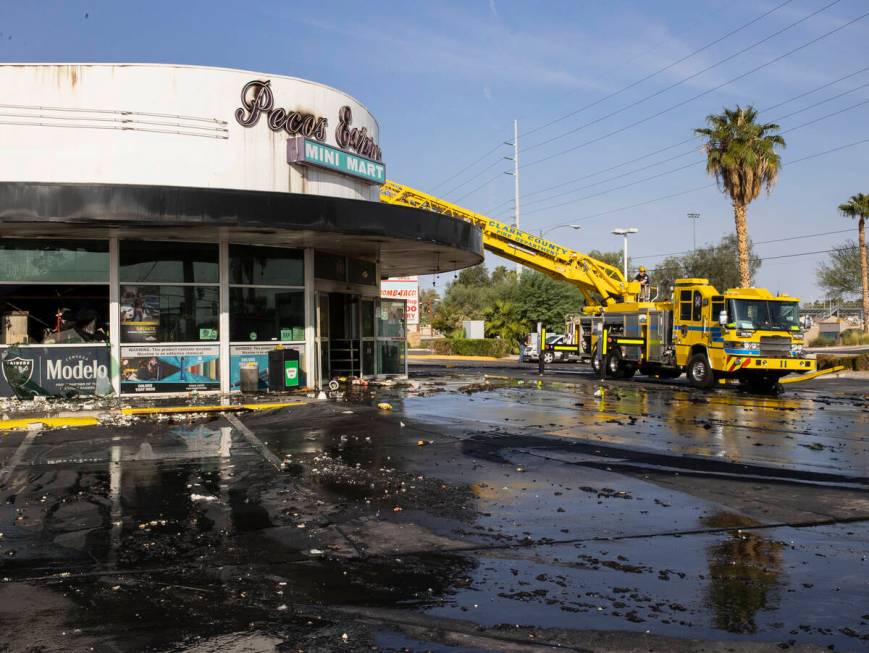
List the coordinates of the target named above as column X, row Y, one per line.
column 446, row 80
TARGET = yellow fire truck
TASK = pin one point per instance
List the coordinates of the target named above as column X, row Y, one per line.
column 742, row 334
column 745, row 334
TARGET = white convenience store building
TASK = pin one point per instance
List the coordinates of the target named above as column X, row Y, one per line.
column 162, row 225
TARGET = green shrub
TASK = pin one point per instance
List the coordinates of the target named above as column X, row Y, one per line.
column 849, row 337
column 854, row 337
column 858, row 363
column 463, row 347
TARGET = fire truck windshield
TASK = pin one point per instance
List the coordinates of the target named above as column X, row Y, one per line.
column 762, row 314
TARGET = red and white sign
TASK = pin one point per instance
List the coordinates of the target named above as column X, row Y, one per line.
column 406, row 288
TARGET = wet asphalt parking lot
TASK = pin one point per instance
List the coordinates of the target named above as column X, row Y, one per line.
column 481, row 513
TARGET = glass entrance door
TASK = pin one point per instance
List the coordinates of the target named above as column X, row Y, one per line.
column 322, row 338
column 345, row 355
column 368, row 336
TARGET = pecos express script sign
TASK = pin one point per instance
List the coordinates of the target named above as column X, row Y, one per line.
column 258, row 101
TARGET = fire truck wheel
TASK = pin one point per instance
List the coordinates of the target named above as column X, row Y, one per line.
column 595, row 362
column 548, row 357
column 614, row 365
column 700, row 372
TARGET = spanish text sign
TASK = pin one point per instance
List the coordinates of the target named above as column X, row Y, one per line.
column 406, row 288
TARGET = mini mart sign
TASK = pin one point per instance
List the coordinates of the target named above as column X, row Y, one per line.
column 304, row 151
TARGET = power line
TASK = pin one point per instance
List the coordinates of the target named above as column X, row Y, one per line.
column 688, row 140
column 824, row 117
column 614, row 188
column 835, row 149
column 698, row 188
column 632, row 59
column 654, row 74
column 780, row 256
column 669, row 172
column 816, row 89
column 604, row 181
column 686, row 79
column 699, row 95
column 759, row 242
column 472, row 177
column 476, row 188
column 469, row 166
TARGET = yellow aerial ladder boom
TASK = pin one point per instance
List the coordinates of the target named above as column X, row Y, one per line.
column 598, row 281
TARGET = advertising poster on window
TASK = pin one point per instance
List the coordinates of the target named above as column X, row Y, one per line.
column 29, row 371
column 249, row 355
column 170, row 368
column 140, row 313
column 406, row 288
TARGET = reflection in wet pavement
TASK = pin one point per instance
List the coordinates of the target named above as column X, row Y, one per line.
column 519, row 511
column 812, row 433
column 719, row 586
column 744, row 573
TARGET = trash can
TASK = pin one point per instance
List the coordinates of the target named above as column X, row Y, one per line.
column 249, row 376
column 283, row 369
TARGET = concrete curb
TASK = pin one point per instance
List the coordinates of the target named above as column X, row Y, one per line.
column 72, row 420
column 452, row 357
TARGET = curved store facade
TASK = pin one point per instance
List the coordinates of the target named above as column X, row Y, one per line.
column 163, row 228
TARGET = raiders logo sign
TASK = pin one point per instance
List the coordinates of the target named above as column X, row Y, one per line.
column 17, row 371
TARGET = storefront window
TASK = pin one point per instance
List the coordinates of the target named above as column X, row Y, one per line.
column 64, row 261
column 154, row 313
column 362, row 272
column 391, row 345
column 266, row 266
column 390, row 357
column 330, row 266
column 341, row 268
column 390, row 319
column 168, row 262
column 54, row 314
column 258, row 314
column 367, row 319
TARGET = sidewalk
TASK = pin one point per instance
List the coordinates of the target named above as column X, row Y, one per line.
column 43, row 412
column 839, row 349
column 453, row 357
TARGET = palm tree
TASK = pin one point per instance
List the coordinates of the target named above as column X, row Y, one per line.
column 741, row 155
column 858, row 207
column 503, row 321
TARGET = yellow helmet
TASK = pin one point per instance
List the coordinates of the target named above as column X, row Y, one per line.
column 642, row 268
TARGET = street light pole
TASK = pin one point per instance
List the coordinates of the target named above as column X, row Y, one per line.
column 694, row 217
column 576, row 227
column 625, row 232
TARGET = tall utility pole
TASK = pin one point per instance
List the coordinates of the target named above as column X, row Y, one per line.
column 694, row 217
column 515, row 174
column 516, row 168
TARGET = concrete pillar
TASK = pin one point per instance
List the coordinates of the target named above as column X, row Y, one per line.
column 114, row 316
column 312, row 357
column 223, row 293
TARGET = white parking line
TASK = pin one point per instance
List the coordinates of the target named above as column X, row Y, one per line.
column 254, row 441
column 16, row 458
